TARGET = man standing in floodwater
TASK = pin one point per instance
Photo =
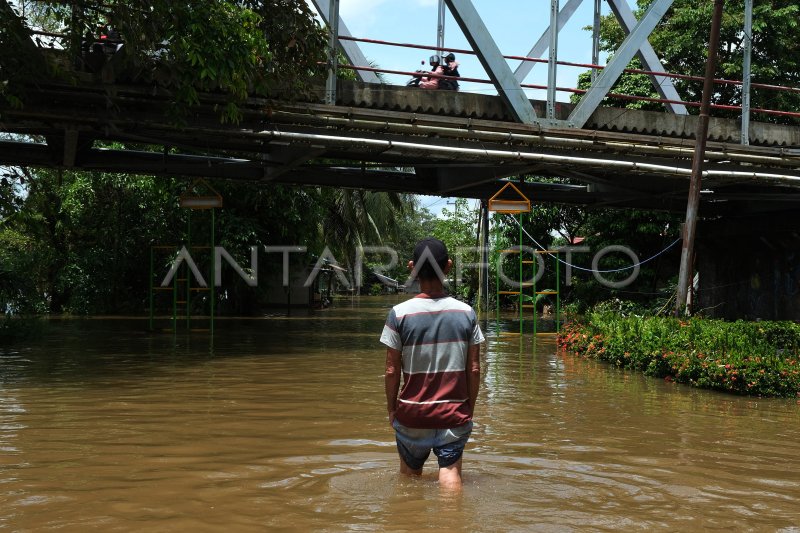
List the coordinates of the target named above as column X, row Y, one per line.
column 435, row 340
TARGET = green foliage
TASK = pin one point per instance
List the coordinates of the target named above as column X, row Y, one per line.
column 539, row 300
column 236, row 48
column 19, row 61
column 18, row 275
column 352, row 219
column 415, row 223
column 93, row 230
column 645, row 232
column 753, row 358
column 458, row 229
column 376, row 289
column 79, row 242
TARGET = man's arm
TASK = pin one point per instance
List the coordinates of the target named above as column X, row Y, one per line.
column 473, row 374
column 392, row 380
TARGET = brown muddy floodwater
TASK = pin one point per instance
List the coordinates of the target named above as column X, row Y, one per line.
column 279, row 425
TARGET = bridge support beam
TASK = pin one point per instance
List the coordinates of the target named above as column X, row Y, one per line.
column 627, row 20
column 492, row 60
column 552, row 62
column 748, row 50
column 289, row 158
column 648, row 56
column 757, row 278
column 596, row 38
column 630, row 46
column 333, row 58
column 452, row 180
column 543, row 43
column 70, row 147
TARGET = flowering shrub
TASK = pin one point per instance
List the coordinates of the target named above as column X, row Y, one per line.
column 754, row 358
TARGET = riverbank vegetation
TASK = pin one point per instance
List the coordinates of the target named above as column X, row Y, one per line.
column 751, row 358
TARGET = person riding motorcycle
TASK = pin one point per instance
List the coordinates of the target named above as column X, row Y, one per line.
column 450, row 69
column 428, row 82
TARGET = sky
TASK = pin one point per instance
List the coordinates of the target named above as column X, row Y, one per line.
column 515, row 25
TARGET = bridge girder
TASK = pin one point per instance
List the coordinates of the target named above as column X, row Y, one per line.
column 492, row 60
column 633, row 42
column 509, row 87
column 281, row 142
column 649, row 58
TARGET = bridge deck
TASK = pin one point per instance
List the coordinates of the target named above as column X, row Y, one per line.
column 406, row 139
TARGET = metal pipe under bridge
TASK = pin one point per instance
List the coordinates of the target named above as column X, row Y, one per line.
column 404, row 139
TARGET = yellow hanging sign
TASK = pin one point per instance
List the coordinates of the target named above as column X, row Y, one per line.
column 520, row 204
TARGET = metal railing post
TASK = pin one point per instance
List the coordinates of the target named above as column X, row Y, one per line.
column 748, row 50
column 552, row 61
column 440, row 28
column 333, row 40
column 596, row 38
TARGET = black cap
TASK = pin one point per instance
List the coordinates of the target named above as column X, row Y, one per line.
column 426, row 249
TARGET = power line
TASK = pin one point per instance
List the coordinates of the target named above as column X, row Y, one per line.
column 640, row 263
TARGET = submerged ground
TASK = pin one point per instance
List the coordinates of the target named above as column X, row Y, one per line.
column 279, row 424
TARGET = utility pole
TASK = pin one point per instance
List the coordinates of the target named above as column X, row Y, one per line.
column 693, row 202
column 485, row 254
column 455, row 268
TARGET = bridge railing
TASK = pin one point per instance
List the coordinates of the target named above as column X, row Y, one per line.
column 619, row 96
column 44, row 39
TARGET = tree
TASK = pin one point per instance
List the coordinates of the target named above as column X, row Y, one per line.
column 20, row 62
column 553, row 226
column 237, row 48
column 78, row 242
column 458, row 229
column 416, row 222
column 645, row 233
column 352, row 219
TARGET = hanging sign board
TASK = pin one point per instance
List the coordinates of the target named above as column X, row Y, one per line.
column 512, row 203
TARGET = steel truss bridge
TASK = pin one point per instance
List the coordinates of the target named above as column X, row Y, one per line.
column 382, row 137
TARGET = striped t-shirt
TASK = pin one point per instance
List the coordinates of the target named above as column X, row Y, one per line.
column 434, row 335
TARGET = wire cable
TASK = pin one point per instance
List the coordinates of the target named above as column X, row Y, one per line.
column 543, row 249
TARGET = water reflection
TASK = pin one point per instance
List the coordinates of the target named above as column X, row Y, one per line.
column 279, row 424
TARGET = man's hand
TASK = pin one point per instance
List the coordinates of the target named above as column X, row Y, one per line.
column 473, row 374
column 391, row 418
column 392, row 380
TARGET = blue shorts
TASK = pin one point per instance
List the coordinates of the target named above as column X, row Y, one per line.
column 415, row 445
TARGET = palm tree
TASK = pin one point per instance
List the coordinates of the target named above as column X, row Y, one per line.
column 354, row 218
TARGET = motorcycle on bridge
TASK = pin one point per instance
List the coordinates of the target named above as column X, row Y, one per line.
column 448, row 67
